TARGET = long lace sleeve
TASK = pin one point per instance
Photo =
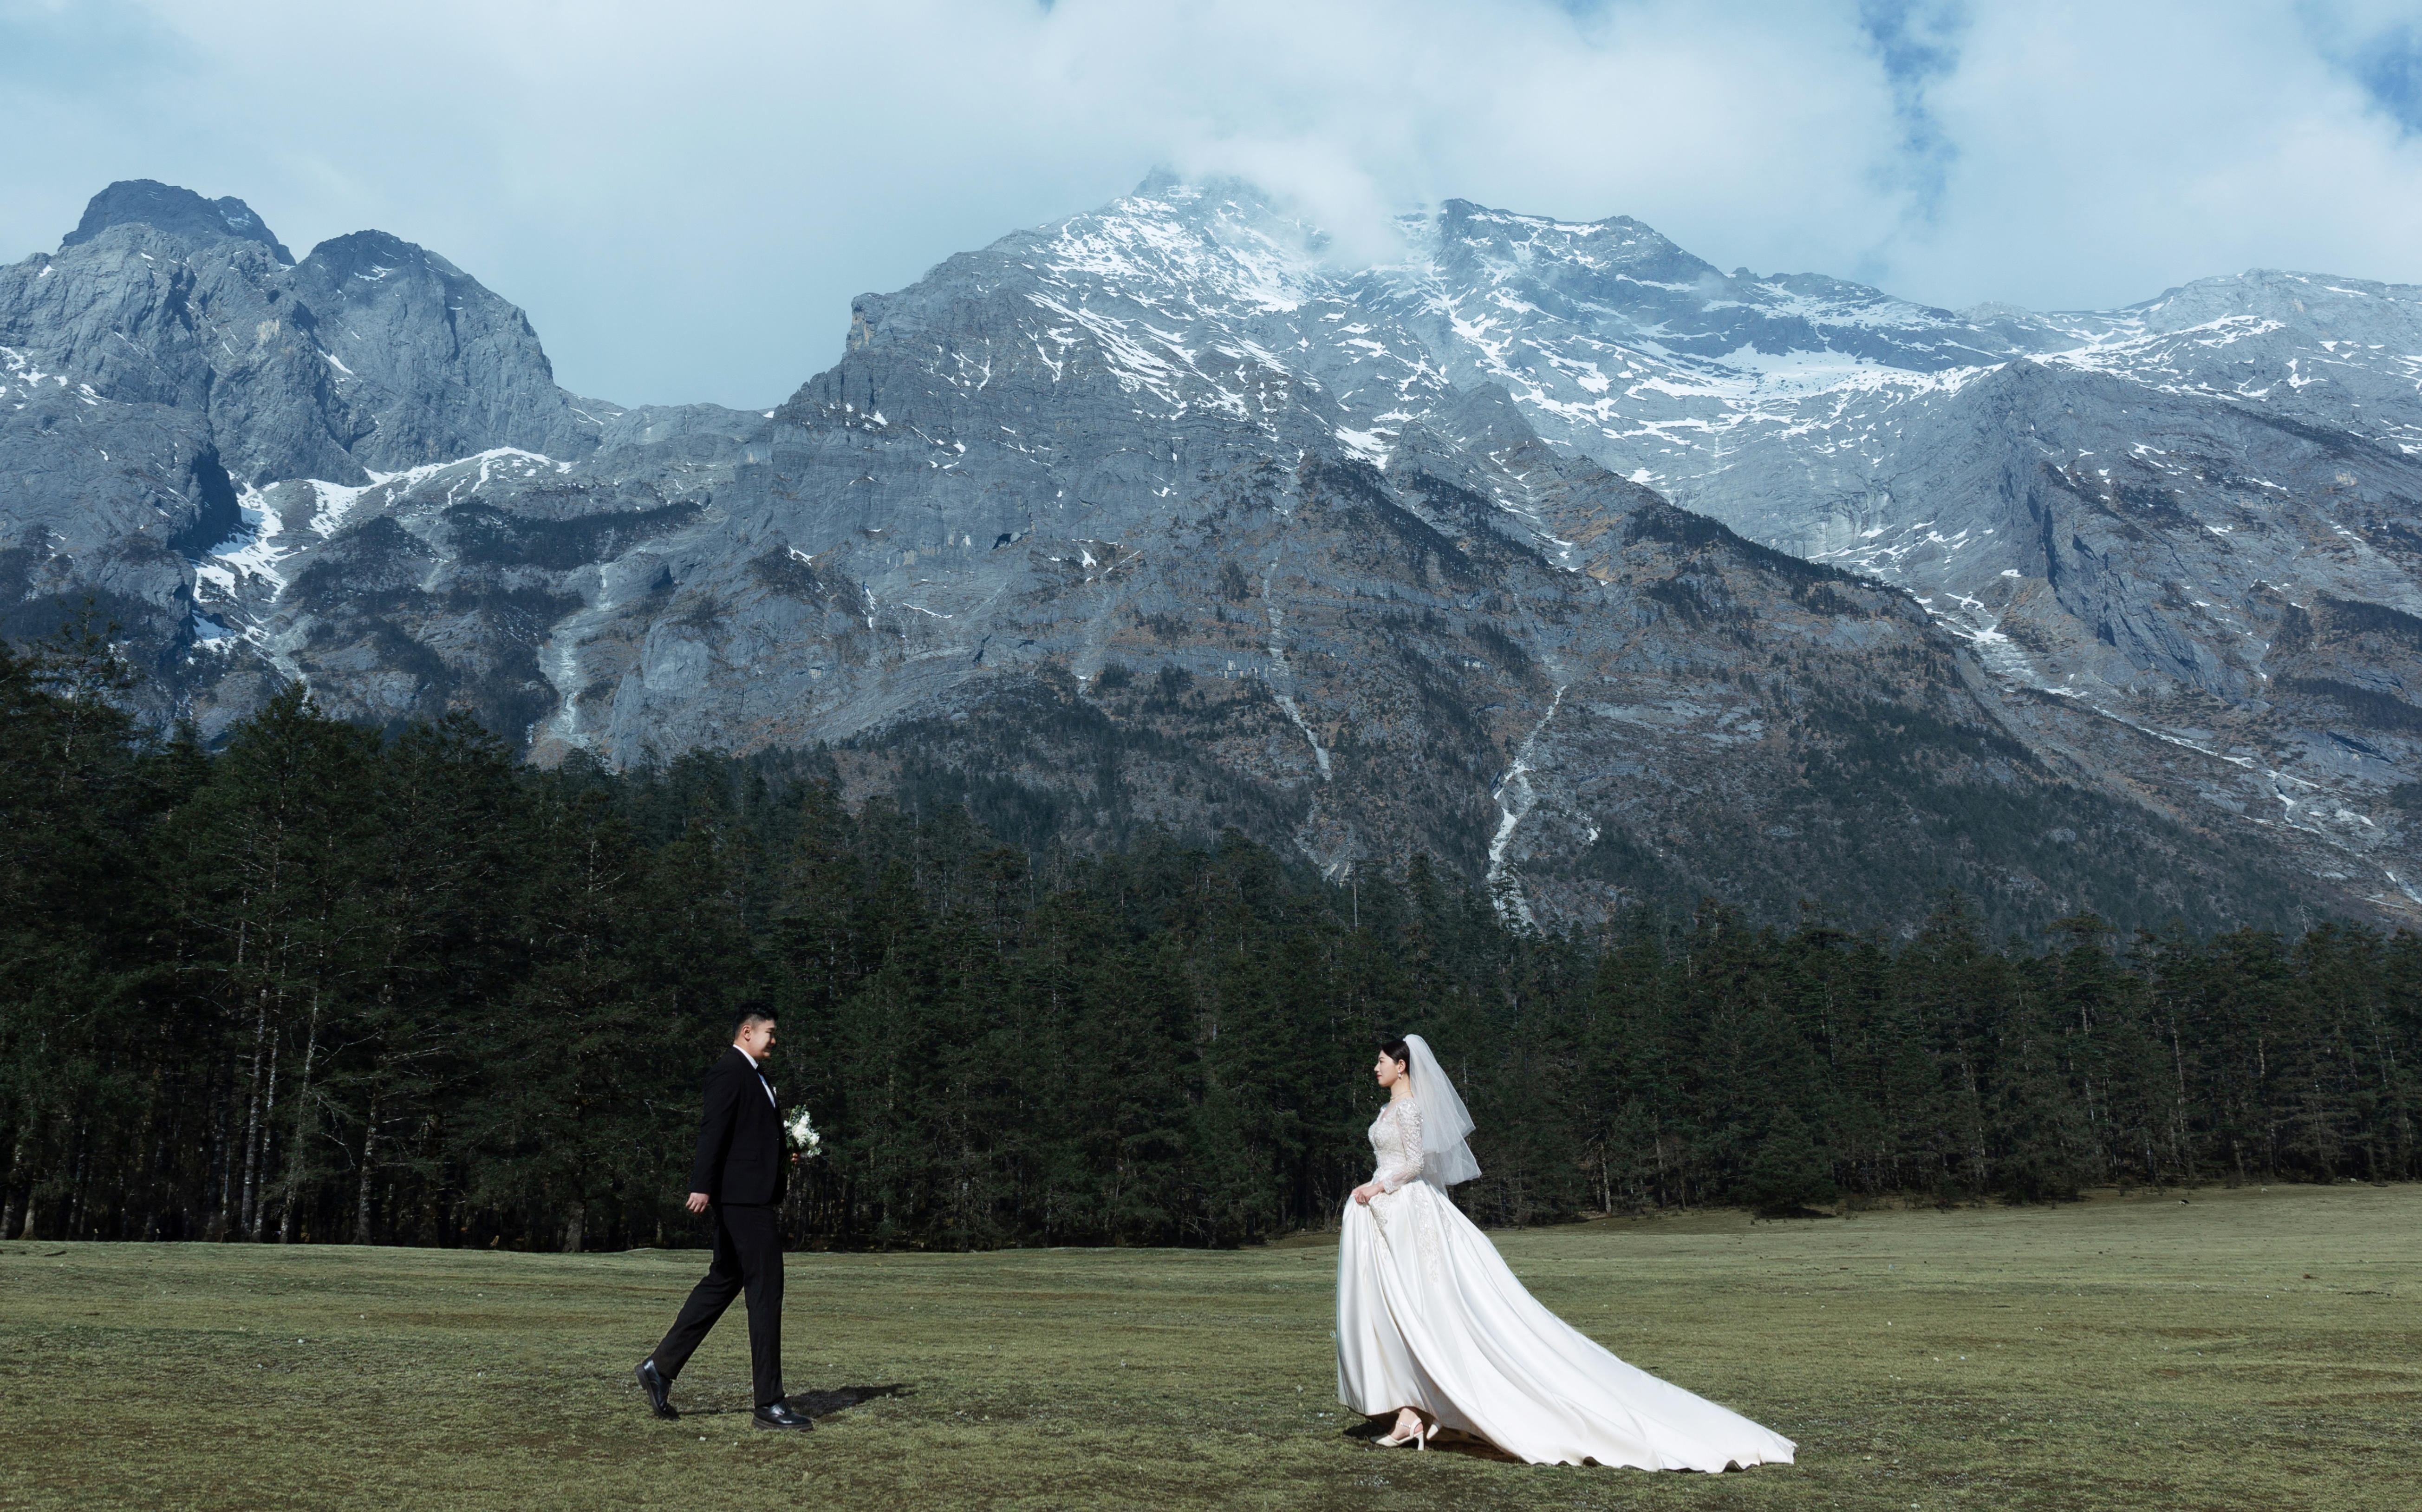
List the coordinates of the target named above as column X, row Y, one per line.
column 1405, row 1163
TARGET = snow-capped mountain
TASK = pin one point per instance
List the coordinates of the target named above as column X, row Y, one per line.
column 1159, row 515
column 2190, row 520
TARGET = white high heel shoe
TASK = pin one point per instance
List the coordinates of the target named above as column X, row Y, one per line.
column 1419, row 1438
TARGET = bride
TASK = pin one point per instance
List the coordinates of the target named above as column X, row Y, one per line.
column 1434, row 1329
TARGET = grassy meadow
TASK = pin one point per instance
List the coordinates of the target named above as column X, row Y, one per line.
column 2239, row 1349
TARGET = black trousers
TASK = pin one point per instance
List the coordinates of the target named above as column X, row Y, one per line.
column 747, row 1256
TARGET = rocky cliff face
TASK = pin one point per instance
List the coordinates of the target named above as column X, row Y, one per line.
column 1153, row 516
column 2138, row 520
column 172, row 359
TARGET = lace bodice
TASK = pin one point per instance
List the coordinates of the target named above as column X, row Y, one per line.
column 1397, row 1139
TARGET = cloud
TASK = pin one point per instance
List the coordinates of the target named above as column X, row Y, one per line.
column 685, row 199
column 2110, row 151
column 2377, row 44
column 1917, row 42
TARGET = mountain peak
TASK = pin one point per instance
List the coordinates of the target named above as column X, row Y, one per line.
column 373, row 254
column 1618, row 242
column 179, row 212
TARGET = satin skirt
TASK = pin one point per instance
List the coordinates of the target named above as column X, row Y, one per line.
column 1429, row 1316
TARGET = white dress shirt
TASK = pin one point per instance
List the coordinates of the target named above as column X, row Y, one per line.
column 760, row 1078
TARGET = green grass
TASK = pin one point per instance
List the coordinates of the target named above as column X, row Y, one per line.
column 2244, row 1349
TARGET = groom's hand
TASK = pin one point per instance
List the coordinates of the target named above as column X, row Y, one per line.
column 697, row 1203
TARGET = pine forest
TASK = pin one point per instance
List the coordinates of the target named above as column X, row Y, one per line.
column 330, row 985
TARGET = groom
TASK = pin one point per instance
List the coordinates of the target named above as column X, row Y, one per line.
column 740, row 1174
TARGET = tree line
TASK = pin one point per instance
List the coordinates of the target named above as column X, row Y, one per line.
column 333, row 984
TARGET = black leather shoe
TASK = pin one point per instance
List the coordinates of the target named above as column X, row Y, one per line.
column 783, row 1415
column 660, row 1391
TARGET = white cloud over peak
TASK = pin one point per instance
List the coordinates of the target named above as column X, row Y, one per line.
column 685, row 198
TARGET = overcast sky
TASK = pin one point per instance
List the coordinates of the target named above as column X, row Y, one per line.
column 685, row 196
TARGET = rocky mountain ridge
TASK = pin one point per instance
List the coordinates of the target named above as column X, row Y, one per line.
column 2178, row 535
column 1153, row 516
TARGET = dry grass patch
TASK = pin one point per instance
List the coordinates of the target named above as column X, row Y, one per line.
column 2238, row 1350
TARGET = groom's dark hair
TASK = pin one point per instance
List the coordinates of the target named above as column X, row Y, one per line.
column 1398, row 1051
column 751, row 1011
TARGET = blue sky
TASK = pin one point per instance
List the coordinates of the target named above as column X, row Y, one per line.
column 685, row 198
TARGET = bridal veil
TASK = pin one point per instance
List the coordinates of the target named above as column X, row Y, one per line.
column 1446, row 1124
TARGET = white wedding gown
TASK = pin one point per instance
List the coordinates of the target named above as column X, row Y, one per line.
column 1428, row 1316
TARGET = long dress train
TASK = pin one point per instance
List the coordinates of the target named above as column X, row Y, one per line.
column 1428, row 1316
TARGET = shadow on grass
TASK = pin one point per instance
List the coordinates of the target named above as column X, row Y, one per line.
column 814, row 1404
column 1368, row 1434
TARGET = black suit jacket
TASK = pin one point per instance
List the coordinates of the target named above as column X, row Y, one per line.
column 740, row 1139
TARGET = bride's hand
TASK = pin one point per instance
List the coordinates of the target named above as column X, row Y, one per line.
column 1364, row 1192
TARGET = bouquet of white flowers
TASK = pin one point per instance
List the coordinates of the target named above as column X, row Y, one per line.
column 804, row 1137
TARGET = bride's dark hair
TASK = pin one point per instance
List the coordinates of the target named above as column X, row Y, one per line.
column 1398, row 1051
